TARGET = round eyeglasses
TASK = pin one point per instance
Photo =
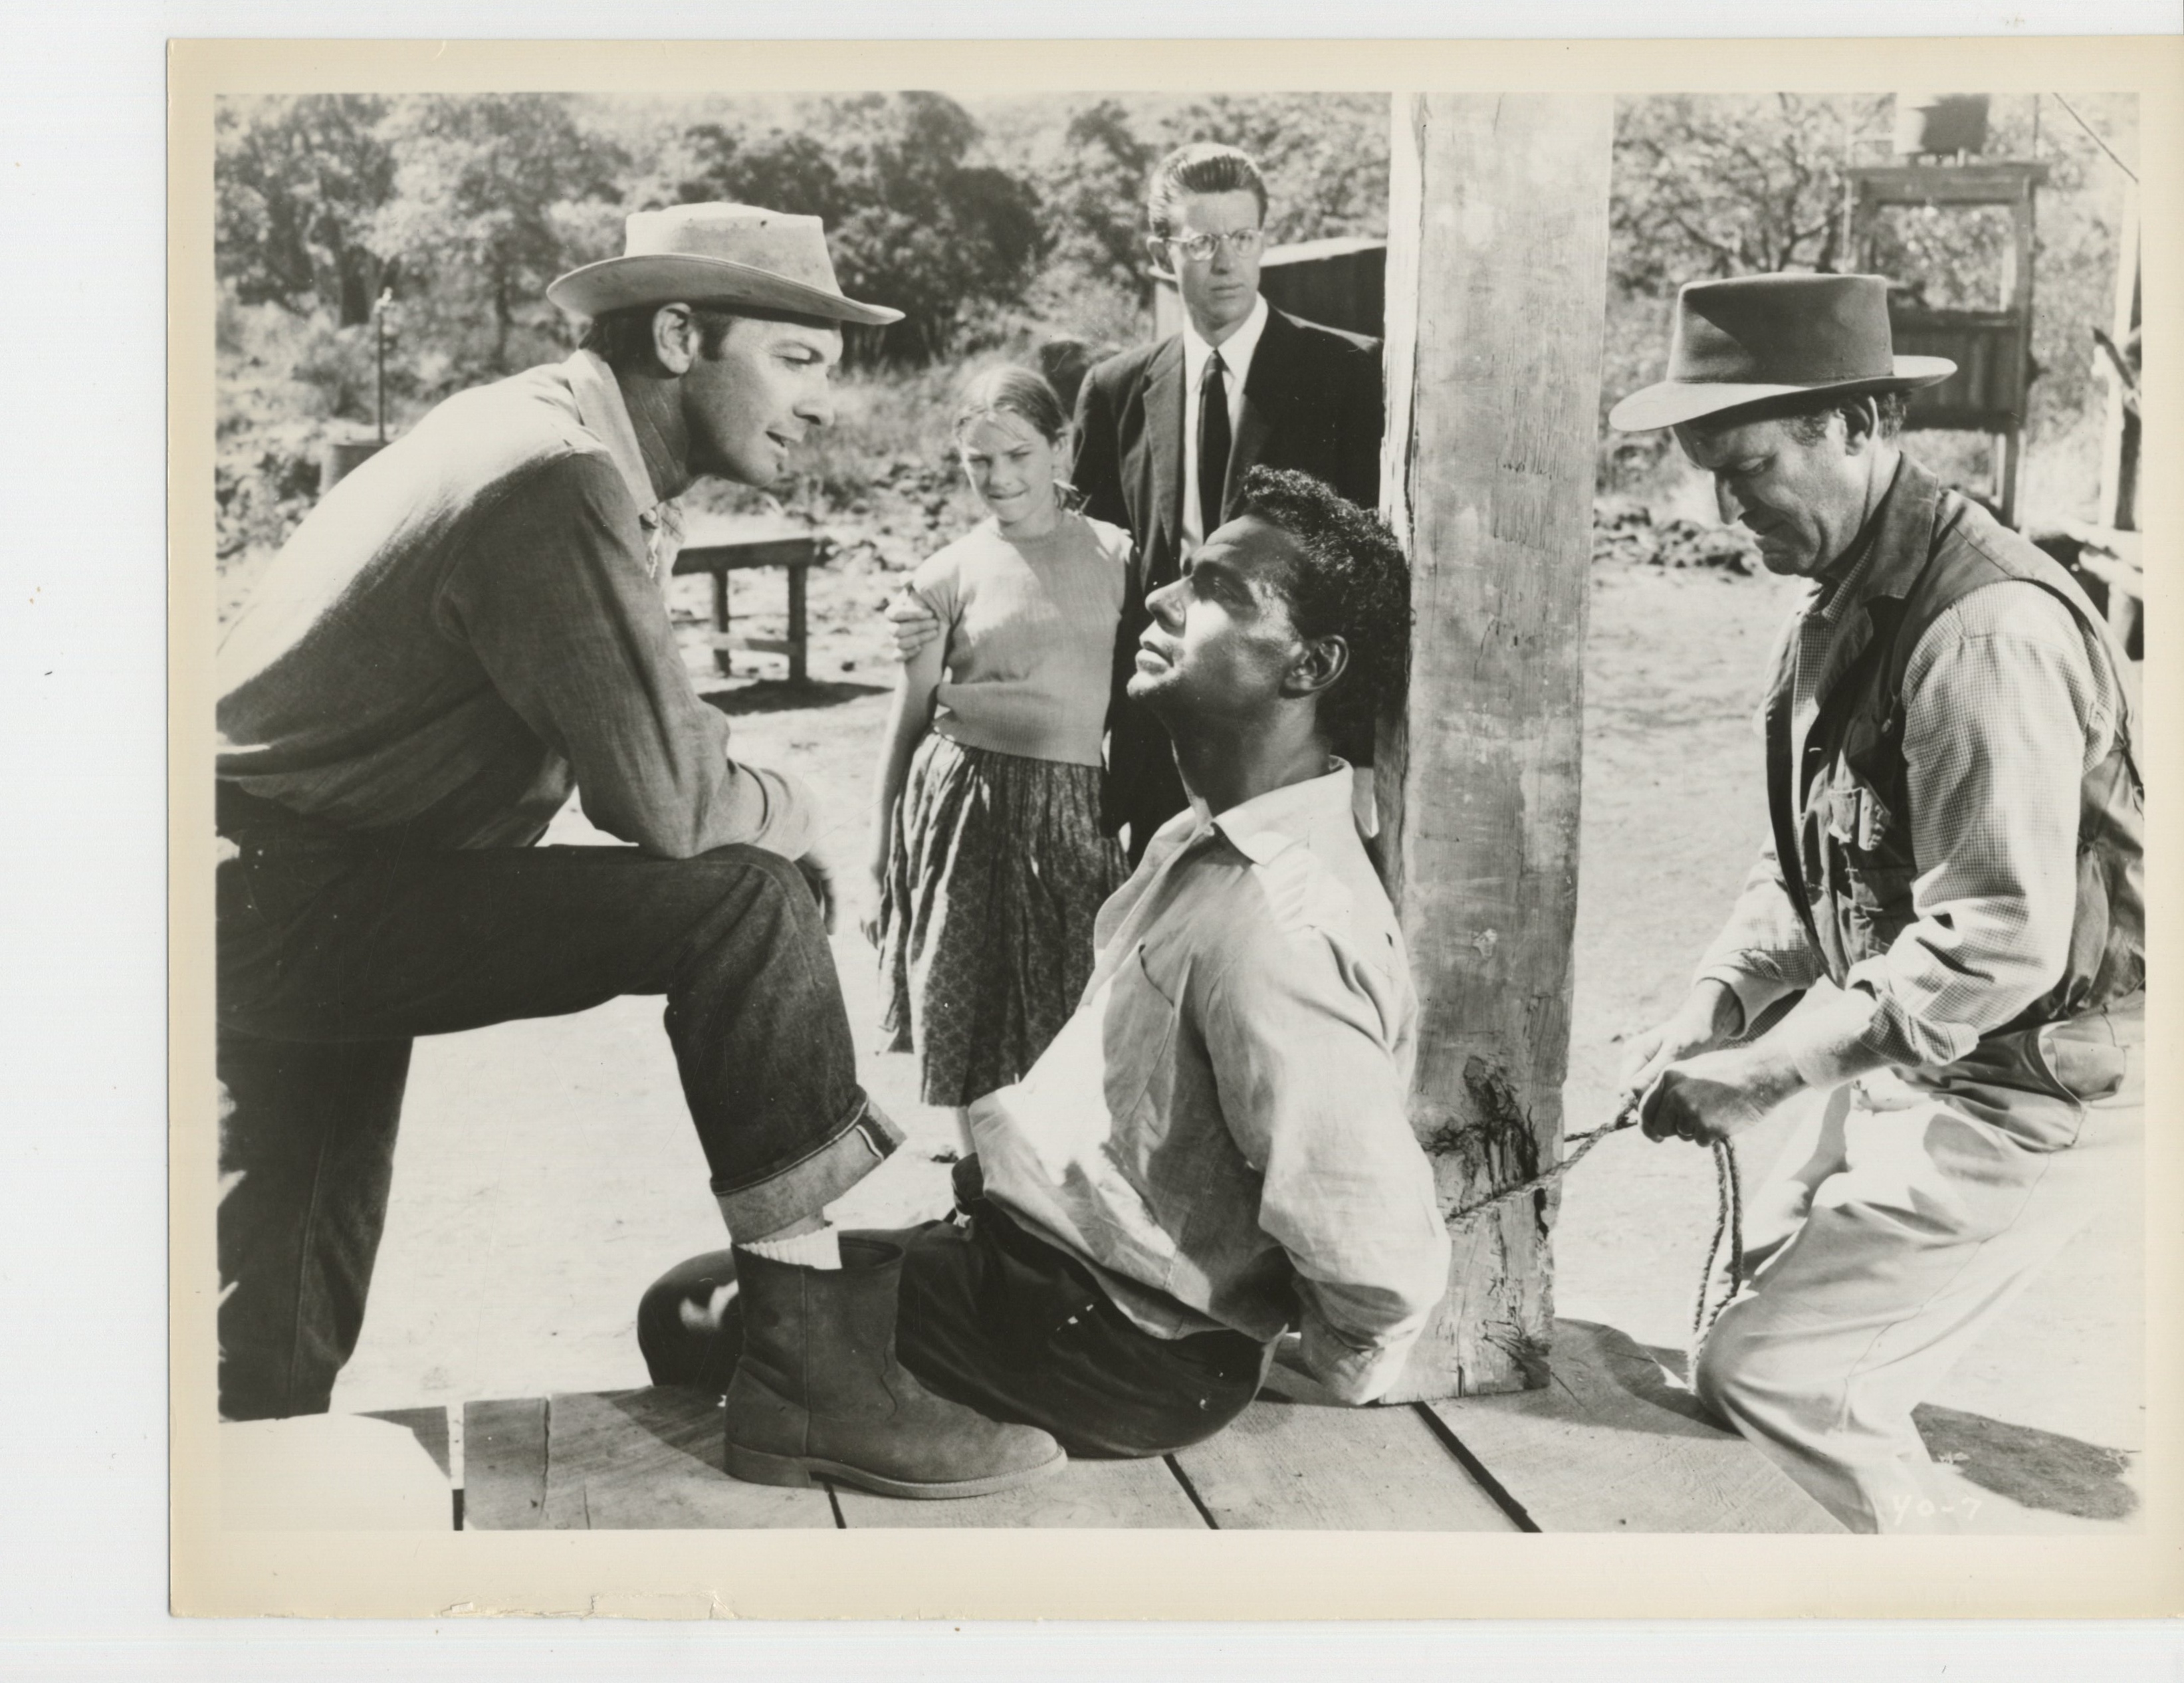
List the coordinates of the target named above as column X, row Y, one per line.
column 1198, row 247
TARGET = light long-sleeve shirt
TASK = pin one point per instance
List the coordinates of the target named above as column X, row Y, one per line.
column 2007, row 707
column 471, row 624
column 1030, row 624
column 1220, row 1132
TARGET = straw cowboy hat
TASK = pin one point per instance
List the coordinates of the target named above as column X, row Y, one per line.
column 1761, row 337
column 718, row 254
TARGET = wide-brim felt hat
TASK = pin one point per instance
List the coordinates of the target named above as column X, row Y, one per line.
column 1760, row 337
column 725, row 255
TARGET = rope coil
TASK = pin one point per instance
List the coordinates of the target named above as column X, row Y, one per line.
column 1729, row 1211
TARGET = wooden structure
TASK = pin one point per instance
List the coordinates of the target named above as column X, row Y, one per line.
column 720, row 547
column 1497, row 293
column 1612, row 1446
column 1991, row 346
column 2119, row 364
column 1336, row 282
column 2112, row 556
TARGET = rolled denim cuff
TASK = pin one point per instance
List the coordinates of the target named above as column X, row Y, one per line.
column 754, row 1208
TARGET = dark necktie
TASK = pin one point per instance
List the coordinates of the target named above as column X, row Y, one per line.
column 1212, row 445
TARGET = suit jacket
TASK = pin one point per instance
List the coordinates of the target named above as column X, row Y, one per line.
column 1312, row 403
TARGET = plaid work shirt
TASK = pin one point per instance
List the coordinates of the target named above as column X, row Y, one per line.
column 1221, row 1132
column 2008, row 705
column 471, row 624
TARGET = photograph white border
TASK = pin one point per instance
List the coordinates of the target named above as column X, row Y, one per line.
column 1083, row 1574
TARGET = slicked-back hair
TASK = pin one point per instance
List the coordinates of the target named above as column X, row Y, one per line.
column 1202, row 166
column 622, row 338
column 1353, row 584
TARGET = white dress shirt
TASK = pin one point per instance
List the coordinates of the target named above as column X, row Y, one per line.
column 1221, row 1133
column 1236, row 353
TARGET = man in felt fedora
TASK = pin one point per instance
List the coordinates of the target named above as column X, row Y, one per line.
column 1945, row 936
column 464, row 630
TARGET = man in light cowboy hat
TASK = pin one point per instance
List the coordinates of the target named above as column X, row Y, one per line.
column 1946, row 936
column 463, row 630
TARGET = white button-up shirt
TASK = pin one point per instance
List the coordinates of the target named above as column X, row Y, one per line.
column 1221, row 1133
column 1237, row 351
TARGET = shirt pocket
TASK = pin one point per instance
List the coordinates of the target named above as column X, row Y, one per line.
column 1136, row 1036
column 1857, row 819
column 1868, row 862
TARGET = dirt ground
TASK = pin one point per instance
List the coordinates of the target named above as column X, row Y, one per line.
column 548, row 1171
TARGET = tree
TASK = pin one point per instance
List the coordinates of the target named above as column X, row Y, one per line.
column 912, row 221
column 1716, row 184
column 298, row 181
column 494, row 195
column 1093, row 189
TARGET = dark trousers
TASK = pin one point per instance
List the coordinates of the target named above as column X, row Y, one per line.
column 1004, row 1323
column 336, row 951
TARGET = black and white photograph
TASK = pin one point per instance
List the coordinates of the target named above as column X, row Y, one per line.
column 998, row 810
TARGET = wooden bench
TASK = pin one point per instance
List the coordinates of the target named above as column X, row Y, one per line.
column 1611, row 1445
column 719, row 547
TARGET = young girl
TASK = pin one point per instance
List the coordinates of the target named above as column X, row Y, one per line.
column 987, row 850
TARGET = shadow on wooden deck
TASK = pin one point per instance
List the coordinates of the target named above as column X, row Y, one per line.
column 1612, row 1444
column 2029, row 1467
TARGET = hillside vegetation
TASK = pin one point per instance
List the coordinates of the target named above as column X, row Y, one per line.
column 997, row 224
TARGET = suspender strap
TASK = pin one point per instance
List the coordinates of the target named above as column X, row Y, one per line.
column 1782, row 794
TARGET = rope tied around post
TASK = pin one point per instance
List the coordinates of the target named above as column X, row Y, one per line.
column 1729, row 1211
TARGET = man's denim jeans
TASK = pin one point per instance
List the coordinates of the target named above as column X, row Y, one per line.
column 336, row 951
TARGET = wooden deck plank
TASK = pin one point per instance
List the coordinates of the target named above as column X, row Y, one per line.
column 505, row 1465
column 1611, row 1445
column 650, row 1460
column 1283, row 1466
column 1092, row 1495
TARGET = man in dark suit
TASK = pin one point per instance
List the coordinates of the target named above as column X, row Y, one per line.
column 1166, row 432
column 1289, row 394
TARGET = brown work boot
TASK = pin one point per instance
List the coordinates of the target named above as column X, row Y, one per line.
column 818, row 1390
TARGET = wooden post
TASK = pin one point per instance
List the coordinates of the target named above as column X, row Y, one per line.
column 2120, row 424
column 723, row 661
column 1496, row 298
column 799, row 647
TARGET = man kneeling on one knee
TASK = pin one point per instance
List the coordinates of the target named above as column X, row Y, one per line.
column 1215, row 1150
column 1955, row 890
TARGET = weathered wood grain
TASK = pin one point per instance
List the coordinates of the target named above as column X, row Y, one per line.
column 650, row 1460
column 505, row 1465
column 1089, row 1494
column 1284, row 1466
column 1612, row 1445
column 1496, row 290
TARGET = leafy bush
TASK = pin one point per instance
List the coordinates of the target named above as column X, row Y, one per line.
column 494, row 195
column 912, row 221
column 298, row 181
